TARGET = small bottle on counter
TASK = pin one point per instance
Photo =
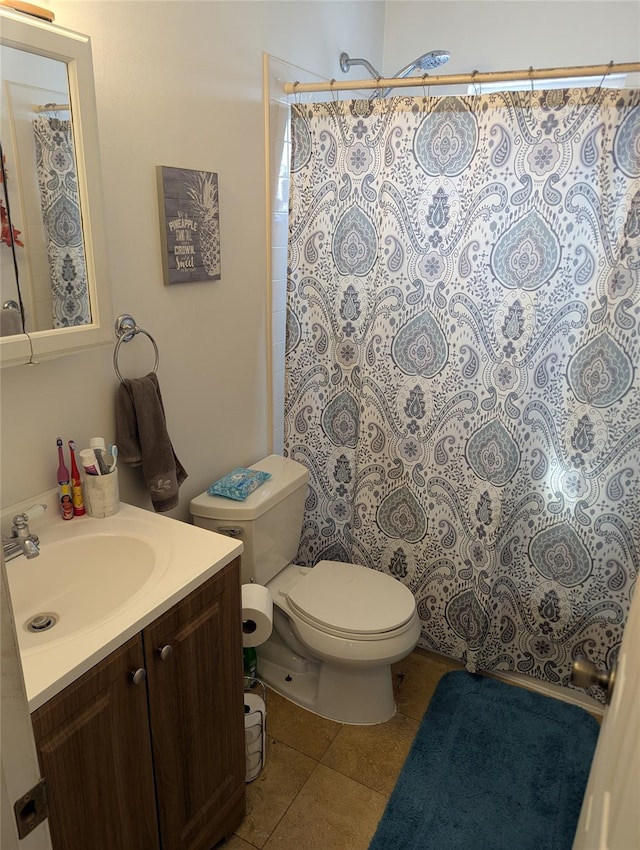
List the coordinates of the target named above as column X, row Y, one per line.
column 64, row 483
column 76, row 485
column 250, row 663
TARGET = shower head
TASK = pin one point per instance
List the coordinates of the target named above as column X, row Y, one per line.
column 424, row 63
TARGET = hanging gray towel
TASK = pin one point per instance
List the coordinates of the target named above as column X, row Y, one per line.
column 142, row 439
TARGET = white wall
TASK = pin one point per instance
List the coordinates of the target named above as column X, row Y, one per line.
column 178, row 84
column 503, row 35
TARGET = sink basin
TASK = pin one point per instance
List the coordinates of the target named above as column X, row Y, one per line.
column 77, row 582
column 97, row 583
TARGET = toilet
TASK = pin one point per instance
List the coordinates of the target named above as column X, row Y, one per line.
column 337, row 627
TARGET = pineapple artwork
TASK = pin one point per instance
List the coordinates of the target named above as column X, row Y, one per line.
column 190, row 224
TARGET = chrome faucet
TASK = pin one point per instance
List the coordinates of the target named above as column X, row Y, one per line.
column 21, row 541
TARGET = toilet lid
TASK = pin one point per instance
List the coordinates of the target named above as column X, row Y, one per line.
column 351, row 599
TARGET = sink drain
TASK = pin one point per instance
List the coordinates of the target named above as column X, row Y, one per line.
column 41, row 622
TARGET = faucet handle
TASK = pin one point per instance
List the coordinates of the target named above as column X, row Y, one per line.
column 31, row 513
column 35, row 511
column 20, row 521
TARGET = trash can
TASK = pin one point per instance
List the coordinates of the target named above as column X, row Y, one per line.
column 255, row 736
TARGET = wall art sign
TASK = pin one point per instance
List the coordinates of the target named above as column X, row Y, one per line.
column 189, row 224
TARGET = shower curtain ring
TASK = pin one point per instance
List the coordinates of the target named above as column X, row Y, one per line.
column 531, row 77
column 334, row 93
column 474, row 84
column 606, row 73
column 296, row 94
column 424, row 88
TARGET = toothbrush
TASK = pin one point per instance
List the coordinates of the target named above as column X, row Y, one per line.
column 99, row 453
column 64, row 483
column 113, row 451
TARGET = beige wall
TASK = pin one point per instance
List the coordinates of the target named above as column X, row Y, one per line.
column 499, row 35
column 178, row 84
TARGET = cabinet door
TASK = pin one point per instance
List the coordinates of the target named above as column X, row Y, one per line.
column 95, row 752
column 196, row 708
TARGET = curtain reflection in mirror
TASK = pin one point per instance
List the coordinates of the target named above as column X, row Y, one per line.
column 57, row 179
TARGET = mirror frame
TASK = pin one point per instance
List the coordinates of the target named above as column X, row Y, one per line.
column 37, row 36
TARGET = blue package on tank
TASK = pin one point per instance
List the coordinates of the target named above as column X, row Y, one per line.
column 238, row 483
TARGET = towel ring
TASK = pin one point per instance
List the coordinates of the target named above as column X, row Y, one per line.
column 126, row 329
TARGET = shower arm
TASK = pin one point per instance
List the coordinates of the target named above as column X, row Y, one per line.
column 346, row 62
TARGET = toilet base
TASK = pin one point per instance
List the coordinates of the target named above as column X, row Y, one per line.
column 353, row 695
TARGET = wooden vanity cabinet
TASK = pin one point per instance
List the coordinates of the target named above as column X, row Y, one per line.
column 159, row 765
column 197, row 715
column 94, row 750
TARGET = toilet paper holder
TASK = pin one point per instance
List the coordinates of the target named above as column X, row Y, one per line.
column 255, row 735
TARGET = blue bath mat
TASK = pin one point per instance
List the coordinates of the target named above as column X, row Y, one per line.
column 492, row 767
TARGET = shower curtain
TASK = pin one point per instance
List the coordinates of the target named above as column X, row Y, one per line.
column 58, row 183
column 463, row 362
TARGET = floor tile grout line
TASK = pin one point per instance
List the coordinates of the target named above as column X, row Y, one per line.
column 302, row 752
column 284, row 744
column 294, row 798
column 308, row 779
column 337, row 770
column 361, row 784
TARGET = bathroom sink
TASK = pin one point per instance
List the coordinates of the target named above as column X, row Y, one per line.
column 97, row 583
column 77, row 582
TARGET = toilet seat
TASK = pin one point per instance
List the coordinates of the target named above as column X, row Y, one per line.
column 351, row 601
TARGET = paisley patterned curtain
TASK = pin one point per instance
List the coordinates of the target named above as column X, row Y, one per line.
column 58, row 182
column 463, row 362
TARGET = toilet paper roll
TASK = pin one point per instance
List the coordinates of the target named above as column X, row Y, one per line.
column 257, row 614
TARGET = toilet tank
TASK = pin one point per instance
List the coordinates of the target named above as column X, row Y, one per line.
column 269, row 520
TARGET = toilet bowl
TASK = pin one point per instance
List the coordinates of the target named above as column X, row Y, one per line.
column 338, row 627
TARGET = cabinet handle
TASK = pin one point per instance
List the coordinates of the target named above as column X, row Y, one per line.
column 138, row 676
column 165, row 652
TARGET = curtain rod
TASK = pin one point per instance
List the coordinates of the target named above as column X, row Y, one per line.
column 29, row 9
column 52, row 107
column 469, row 79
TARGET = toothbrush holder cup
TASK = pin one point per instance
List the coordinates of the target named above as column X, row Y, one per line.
column 101, row 494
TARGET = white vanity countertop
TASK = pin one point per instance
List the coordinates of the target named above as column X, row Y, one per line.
column 185, row 557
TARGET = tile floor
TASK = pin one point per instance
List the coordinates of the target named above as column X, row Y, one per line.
column 325, row 784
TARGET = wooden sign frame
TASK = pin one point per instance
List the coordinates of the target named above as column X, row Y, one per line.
column 189, row 225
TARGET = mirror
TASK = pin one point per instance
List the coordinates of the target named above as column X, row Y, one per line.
column 52, row 251
column 44, row 269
